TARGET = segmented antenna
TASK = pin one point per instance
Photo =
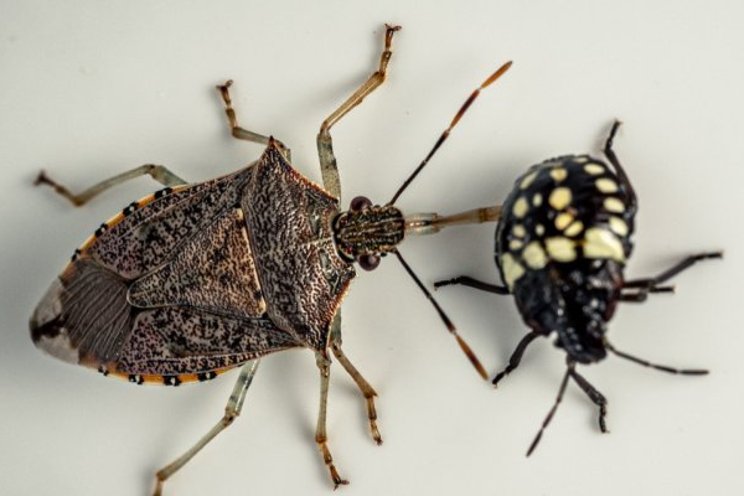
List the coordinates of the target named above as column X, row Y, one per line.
column 493, row 77
column 447, row 322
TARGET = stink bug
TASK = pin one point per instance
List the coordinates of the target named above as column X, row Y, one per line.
column 561, row 247
column 197, row 279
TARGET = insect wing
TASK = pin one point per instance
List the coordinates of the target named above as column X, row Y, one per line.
column 164, row 291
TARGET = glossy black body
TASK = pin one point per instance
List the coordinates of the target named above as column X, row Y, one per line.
column 574, row 294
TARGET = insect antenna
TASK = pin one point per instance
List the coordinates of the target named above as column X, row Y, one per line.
column 447, row 322
column 493, row 77
column 646, row 363
column 550, row 414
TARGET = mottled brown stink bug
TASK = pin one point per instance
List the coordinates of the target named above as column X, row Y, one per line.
column 561, row 247
column 196, row 279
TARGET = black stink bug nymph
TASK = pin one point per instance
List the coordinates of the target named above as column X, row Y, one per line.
column 197, row 279
column 561, row 248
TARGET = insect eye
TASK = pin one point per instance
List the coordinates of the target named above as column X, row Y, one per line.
column 369, row 261
column 360, row 203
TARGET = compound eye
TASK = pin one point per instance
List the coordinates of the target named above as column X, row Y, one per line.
column 360, row 203
column 369, row 262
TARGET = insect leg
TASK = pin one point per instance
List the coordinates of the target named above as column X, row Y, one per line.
column 641, row 296
column 473, row 283
column 321, row 437
column 232, row 410
column 649, row 284
column 367, row 390
column 242, row 133
column 158, row 172
column 646, row 363
column 328, row 167
column 612, row 157
column 516, row 356
column 549, row 416
column 594, row 395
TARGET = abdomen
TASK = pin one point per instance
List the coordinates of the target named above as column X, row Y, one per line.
column 562, row 245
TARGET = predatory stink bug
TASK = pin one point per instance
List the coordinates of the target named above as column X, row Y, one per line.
column 196, row 279
column 561, row 248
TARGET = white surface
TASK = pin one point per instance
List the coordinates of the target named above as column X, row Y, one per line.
column 91, row 88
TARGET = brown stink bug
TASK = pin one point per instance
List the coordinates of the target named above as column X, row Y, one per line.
column 197, row 279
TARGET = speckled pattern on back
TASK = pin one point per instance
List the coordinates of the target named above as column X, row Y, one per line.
column 214, row 271
column 301, row 273
column 149, row 236
column 183, row 340
column 561, row 248
column 193, row 280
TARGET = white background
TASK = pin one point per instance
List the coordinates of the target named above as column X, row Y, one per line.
column 91, row 88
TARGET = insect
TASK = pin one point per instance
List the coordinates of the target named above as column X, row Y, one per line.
column 561, row 248
column 197, row 279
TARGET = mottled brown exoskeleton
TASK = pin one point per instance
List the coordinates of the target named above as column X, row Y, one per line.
column 197, row 279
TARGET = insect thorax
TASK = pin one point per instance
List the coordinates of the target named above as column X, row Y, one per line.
column 561, row 248
column 370, row 231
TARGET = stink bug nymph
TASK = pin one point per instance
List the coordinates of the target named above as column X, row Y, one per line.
column 561, row 247
column 197, row 279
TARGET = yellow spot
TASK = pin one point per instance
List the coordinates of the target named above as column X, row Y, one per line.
column 560, row 198
column 512, row 269
column 563, row 220
column 559, row 174
column 574, row 229
column 601, row 243
column 618, row 226
column 519, row 231
column 539, row 230
column 594, row 169
column 561, row 249
column 528, row 180
column 614, row 205
column 606, row 185
column 520, row 207
column 537, row 200
column 515, row 244
column 581, row 159
column 534, row 255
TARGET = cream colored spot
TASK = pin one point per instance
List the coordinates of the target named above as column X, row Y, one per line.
column 534, row 255
column 606, row 185
column 520, row 207
column 614, row 205
column 559, row 174
column 601, row 243
column 563, row 220
column 560, row 198
column 561, row 249
column 515, row 244
column 619, row 226
column 528, row 180
column 581, row 159
column 574, row 229
column 594, row 169
column 537, row 200
column 539, row 229
column 519, row 231
column 511, row 268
